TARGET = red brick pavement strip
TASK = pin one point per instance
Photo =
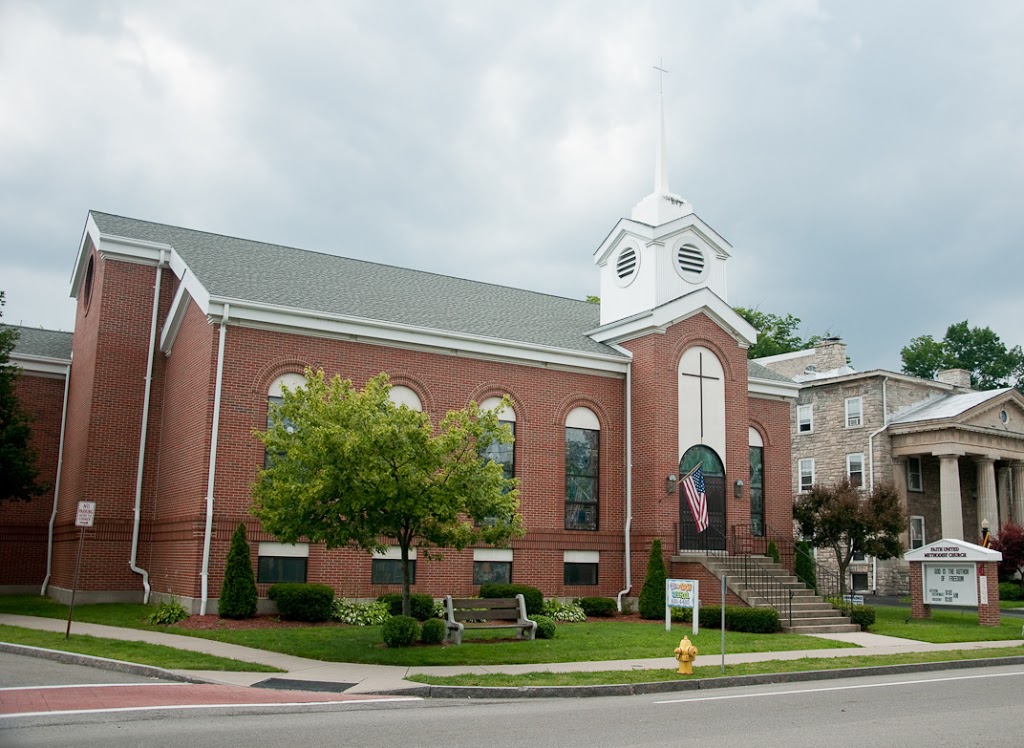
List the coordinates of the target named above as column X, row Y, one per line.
column 17, row 702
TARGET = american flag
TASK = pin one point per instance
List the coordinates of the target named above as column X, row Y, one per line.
column 693, row 487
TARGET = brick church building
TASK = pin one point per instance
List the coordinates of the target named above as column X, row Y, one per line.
column 183, row 337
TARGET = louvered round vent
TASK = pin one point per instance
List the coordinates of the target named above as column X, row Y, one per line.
column 626, row 265
column 690, row 262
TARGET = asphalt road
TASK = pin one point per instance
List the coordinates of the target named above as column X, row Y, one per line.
column 978, row 707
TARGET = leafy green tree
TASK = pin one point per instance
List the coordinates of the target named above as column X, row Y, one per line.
column 1010, row 542
column 652, row 596
column 977, row 349
column 238, row 591
column 351, row 467
column 775, row 334
column 19, row 472
column 846, row 521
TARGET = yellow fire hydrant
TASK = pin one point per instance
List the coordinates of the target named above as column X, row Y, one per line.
column 686, row 653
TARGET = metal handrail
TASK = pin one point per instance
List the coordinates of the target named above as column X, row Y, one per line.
column 764, row 585
column 828, row 584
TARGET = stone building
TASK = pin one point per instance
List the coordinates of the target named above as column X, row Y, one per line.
column 182, row 337
column 955, row 455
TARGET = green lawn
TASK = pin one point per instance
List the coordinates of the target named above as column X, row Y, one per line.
column 610, row 677
column 943, row 626
column 138, row 652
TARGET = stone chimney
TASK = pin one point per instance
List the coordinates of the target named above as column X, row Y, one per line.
column 955, row 377
column 829, row 355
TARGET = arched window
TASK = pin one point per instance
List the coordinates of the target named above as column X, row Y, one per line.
column 402, row 395
column 582, row 455
column 756, row 483
column 275, row 396
column 503, row 454
column 701, row 400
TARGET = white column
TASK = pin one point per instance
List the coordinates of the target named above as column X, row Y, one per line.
column 949, row 498
column 1003, row 480
column 988, row 508
column 1018, row 492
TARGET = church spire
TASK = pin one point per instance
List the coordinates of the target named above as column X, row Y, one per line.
column 661, row 206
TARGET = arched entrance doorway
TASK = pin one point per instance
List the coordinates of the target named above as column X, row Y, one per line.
column 713, row 538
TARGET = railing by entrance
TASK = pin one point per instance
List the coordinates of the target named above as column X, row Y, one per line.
column 762, row 584
column 826, row 582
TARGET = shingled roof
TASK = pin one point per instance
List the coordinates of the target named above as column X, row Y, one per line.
column 39, row 343
column 301, row 280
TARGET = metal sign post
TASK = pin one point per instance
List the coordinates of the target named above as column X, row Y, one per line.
column 83, row 518
column 723, row 623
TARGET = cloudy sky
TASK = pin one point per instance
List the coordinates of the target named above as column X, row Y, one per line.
column 865, row 159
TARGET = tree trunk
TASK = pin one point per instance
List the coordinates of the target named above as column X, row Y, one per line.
column 406, row 586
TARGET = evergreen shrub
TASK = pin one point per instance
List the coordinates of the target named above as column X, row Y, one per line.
column 652, row 596
column 804, row 565
column 862, row 615
column 545, row 627
column 737, row 618
column 773, row 552
column 433, row 631
column 598, row 607
column 421, row 606
column 1010, row 591
column 534, row 598
column 297, row 601
column 400, row 631
column 238, row 592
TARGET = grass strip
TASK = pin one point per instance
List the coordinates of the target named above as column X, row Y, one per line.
column 141, row 653
column 615, row 677
column 944, row 626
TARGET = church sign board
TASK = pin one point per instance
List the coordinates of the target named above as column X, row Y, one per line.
column 950, row 572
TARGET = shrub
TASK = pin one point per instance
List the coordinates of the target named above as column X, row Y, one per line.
column 433, row 631
column 400, row 631
column 737, row 618
column 652, row 596
column 598, row 607
column 564, row 612
column 360, row 614
column 804, row 565
column 168, row 612
column 238, row 592
column 773, row 552
column 421, row 606
column 862, row 615
column 534, row 598
column 1010, row 591
column 303, row 602
column 545, row 627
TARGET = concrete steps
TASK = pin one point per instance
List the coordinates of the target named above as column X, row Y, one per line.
column 811, row 614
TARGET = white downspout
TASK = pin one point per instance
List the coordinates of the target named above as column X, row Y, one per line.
column 137, row 522
column 205, row 574
column 871, row 473
column 629, row 475
column 56, row 484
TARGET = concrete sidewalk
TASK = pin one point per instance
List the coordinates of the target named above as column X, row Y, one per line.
column 358, row 678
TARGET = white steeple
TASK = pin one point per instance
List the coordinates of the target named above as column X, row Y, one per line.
column 661, row 206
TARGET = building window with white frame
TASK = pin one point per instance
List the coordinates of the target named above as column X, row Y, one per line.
column 916, row 532
column 915, row 478
column 582, row 451
column 804, row 419
column 282, row 562
column 855, row 469
column 854, row 412
column 580, row 567
column 806, row 474
column 386, row 566
column 492, row 565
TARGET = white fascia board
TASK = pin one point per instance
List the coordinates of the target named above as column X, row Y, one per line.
column 175, row 316
column 772, row 388
column 395, row 334
column 90, row 237
column 695, row 224
column 126, row 249
column 661, row 318
column 784, row 356
column 625, row 227
column 41, row 364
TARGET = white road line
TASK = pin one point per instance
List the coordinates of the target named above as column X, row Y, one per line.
column 93, row 685
column 840, row 688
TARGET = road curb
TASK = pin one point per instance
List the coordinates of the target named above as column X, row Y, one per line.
column 103, row 663
column 633, row 689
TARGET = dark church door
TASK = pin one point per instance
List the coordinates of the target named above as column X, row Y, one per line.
column 714, row 537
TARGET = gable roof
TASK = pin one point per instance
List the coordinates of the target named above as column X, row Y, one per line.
column 949, row 407
column 284, row 277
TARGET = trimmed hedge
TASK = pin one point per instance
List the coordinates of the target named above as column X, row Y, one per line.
column 862, row 615
column 737, row 618
column 534, row 597
column 433, row 631
column 400, row 631
column 303, row 602
column 1010, row 591
column 421, row 606
column 545, row 627
column 598, row 607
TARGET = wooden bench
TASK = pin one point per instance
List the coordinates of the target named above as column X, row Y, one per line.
column 487, row 612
